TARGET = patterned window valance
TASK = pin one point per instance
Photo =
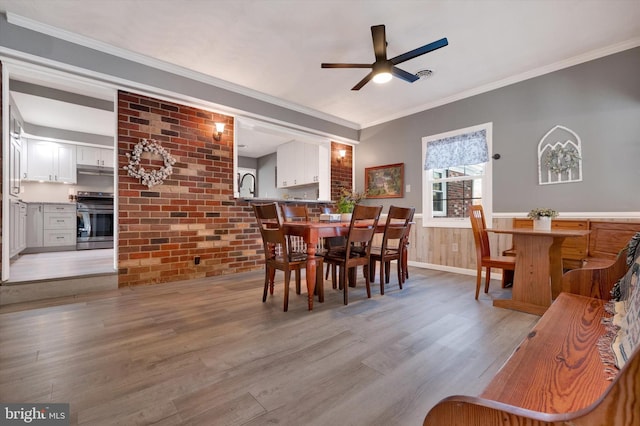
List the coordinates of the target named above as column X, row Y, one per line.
column 459, row 150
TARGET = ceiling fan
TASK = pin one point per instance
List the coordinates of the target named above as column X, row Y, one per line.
column 383, row 69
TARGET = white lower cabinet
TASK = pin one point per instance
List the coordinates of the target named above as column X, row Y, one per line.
column 35, row 215
column 51, row 225
column 17, row 227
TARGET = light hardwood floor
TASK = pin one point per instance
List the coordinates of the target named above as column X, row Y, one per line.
column 39, row 266
column 209, row 352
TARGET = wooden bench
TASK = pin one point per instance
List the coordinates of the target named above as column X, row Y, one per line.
column 606, row 240
column 596, row 250
column 555, row 376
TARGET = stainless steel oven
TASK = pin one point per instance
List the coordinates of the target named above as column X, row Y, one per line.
column 95, row 220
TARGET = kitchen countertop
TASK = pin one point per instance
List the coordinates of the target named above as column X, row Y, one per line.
column 283, row 200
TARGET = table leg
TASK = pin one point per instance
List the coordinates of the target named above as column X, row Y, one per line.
column 312, row 241
column 538, row 270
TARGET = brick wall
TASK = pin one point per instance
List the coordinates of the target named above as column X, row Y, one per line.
column 193, row 213
column 459, row 196
column 341, row 169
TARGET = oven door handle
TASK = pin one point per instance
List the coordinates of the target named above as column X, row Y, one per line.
column 94, row 211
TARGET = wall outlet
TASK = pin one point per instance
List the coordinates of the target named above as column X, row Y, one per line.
column 454, row 247
column 196, row 260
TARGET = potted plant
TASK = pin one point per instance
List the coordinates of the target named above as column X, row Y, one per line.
column 347, row 202
column 542, row 218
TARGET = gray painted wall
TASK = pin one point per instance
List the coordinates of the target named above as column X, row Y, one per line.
column 599, row 100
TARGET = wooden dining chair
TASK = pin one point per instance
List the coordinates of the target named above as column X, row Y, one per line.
column 405, row 251
column 393, row 241
column 331, row 242
column 483, row 251
column 296, row 244
column 357, row 249
column 278, row 254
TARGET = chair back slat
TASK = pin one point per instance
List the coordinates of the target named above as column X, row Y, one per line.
column 270, row 225
column 294, row 213
column 362, row 228
column 397, row 226
column 480, row 236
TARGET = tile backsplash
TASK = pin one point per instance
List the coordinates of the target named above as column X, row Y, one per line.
column 59, row 193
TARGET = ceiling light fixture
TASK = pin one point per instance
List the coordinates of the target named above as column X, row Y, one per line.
column 382, row 73
column 217, row 135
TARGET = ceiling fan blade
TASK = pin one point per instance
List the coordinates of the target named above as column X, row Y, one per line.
column 345, row 65
column 419, row 51
column 403, row 75
column 363, row 81
column 379, row 42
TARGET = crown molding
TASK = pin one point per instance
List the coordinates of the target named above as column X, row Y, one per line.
column 566, row 63
column 171, row 68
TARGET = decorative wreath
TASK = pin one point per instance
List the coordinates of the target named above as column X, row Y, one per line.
column 562, row 159
column 153, row 177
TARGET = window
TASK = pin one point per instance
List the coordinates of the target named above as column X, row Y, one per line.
column 457, row 174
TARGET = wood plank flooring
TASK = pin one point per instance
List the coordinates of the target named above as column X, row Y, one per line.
column 40, row 266
column 209, row 352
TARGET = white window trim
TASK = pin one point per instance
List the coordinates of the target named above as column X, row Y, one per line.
column 487, row 182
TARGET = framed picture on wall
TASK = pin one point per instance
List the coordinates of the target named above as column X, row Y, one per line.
column 385, row 181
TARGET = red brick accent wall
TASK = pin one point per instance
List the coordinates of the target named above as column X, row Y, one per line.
column 341, row 169
column 193, row 213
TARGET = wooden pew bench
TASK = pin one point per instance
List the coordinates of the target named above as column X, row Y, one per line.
column 596, row 250
column 606, row 239
column 554, row 377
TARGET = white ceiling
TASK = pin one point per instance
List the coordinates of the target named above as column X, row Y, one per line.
column 276, row 47
column 63, row 115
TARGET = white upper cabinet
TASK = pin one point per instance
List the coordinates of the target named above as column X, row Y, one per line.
column 50, row 161
column 93, row 156
column 301, row 163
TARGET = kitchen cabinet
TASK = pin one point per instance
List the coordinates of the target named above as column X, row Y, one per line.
column 15, row 162
column 17, row 227
column 94, row 156
column 301, row 163
column 289, row 160
column 35, row 215
column 51, row 225
column 50, row 161
column 15, row 156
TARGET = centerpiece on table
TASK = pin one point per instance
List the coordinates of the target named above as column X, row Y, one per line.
column 542, row 218
column 347, row 201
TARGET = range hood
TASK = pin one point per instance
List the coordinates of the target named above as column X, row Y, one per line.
column 84, row 169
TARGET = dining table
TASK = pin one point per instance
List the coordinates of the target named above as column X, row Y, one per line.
column 537, row 279
column 312, row 232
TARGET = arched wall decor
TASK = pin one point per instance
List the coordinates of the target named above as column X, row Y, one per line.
column 559, row 162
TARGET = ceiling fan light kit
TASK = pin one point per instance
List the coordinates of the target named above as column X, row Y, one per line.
column 383, row 69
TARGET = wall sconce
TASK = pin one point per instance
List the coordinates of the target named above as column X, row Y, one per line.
column 218, row 133
column 341, row 154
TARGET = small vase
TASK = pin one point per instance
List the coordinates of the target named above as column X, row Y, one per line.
column 345, row 217
column 542, row 224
